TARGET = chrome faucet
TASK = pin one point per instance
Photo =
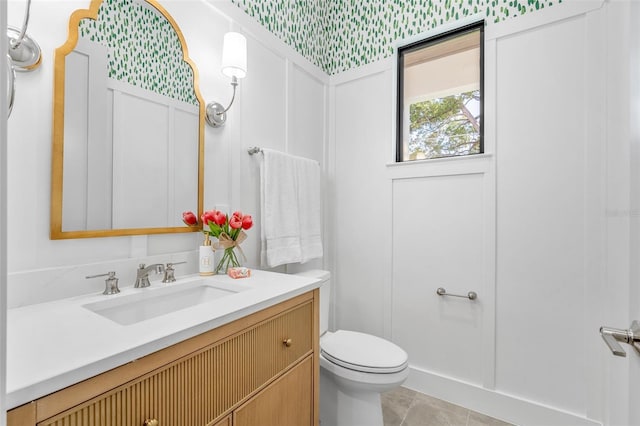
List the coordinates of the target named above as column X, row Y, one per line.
column 142, row 277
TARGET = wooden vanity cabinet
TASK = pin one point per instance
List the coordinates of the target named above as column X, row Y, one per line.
column 258, row 370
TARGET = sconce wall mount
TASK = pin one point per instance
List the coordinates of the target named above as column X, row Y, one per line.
column 25, row 53
column 216, row 114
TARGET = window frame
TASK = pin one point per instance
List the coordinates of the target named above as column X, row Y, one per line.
column 402, row 50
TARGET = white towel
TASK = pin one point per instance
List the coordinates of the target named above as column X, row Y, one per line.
column 308, row 176
column 279, row 209
column 290, row 209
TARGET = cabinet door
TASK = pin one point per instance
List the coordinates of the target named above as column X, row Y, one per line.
column 286, row 402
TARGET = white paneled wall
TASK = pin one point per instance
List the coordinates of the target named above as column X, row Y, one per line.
column 438, row 232
column 523, row 225
column 619, row 284
column 284, row 110
column 361, row 221
column 308, row 123
column 264, row 99
column 541, row 195
column 307, row 134
column 634, row 111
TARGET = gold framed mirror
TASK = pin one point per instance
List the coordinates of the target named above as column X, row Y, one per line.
column 128, row 124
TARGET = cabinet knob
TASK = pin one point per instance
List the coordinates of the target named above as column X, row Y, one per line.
column 150, row 422
column 287, row 342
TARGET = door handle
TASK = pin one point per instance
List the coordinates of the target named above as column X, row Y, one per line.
column 612, row 336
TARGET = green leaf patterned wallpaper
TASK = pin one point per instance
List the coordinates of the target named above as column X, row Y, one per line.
column 338, row 35
column 144, row 49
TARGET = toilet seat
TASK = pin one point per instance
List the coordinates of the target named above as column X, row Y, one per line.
column 363, row 352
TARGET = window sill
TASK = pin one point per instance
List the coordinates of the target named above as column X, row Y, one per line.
column 467, row 164
column 441, row 160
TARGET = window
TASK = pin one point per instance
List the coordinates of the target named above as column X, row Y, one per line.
column 440, row 100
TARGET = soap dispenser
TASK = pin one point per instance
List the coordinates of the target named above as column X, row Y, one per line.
column 205, row 263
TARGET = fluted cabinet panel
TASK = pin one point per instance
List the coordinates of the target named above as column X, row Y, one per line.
column 200, row 388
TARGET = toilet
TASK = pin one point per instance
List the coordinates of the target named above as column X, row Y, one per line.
column 355, row 368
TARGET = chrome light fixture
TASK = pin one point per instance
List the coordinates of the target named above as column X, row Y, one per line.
column 24, row 51
column 234, row 65
column 23, row 54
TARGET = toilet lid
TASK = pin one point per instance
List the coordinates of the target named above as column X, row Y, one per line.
column 363, row 352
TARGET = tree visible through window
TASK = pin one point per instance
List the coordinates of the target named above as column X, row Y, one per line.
column 440, row 96
column 445, row 127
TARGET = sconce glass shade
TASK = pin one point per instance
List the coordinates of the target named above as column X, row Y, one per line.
column 234, row 55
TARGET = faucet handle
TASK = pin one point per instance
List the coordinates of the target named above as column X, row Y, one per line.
column 169, row 272
column 110, row 284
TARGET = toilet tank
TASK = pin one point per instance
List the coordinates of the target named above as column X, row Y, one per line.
column 325, row 295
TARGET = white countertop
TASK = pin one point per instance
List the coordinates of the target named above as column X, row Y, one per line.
column 56, row 344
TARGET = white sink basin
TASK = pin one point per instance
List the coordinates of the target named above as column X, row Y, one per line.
column 151, row 303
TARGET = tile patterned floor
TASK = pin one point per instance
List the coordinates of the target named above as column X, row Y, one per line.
column 404, row 407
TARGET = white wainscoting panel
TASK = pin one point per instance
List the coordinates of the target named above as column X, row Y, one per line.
column 362, row 226
column 438, row 228
column 541, row 199
column 307, row 133
column 283, row 108
column 264, row 97
column 264, row 112
column 307, row 124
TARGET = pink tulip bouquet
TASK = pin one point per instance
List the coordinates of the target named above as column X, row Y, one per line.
column 228, row 230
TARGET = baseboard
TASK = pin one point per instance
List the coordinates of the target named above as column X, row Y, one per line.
column 492, row 403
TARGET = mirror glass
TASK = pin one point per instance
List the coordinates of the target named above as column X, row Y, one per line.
column 128, row 125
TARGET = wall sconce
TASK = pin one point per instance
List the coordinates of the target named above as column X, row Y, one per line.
column 234, row 65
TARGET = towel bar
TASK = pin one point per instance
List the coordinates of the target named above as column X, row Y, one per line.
column 472, row 295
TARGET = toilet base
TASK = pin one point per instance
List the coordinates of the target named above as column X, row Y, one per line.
column 347, row 406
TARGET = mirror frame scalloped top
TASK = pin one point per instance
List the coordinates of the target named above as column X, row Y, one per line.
column 158, row 69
